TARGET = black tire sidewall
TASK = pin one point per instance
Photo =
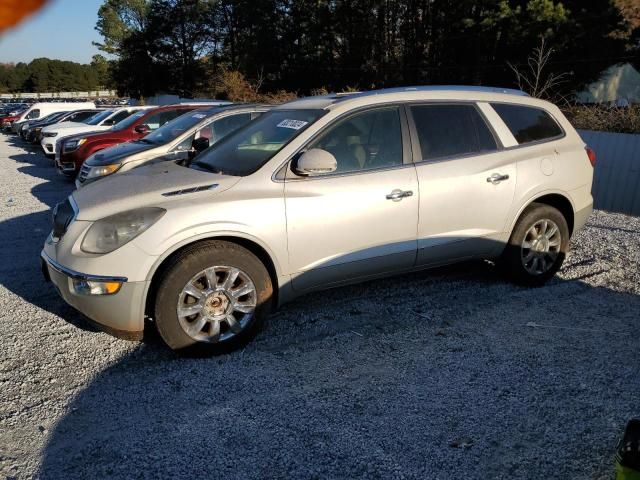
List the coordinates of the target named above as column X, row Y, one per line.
column 512, row 260
column 182, row 268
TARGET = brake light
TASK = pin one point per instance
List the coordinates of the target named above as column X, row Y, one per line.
column 592, row 156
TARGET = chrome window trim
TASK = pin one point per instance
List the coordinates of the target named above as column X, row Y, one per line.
column 78, row 275
column 280, row 173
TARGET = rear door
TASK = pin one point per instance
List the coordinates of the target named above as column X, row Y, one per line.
column 467, row 182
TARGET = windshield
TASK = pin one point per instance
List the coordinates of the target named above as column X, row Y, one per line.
column 173, row 129
column 51, row 116
column 245, row 151
column 130, row 120
column 98, row 117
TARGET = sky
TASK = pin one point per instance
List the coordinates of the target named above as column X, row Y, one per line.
column 63, row 29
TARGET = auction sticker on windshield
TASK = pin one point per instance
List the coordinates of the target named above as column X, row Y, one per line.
column 294, row 124
column 199, row 115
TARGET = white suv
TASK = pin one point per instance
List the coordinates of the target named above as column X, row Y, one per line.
column 102, row 121
column 318, row 193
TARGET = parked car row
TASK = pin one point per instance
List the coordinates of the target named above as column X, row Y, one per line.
column 205, row 217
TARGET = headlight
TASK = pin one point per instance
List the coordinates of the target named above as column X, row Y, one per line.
column 110, row 233
column 71, row 145
column 103, row 171
column 51, row 134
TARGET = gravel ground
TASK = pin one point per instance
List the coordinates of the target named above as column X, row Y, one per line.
column 453, row 373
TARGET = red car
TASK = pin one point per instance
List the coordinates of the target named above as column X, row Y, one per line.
column 72, row 151
column 5, row 122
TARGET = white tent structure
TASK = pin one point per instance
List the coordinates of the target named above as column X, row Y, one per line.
column 619, row 85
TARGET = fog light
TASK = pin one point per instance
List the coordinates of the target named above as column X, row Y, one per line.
column 92, row 287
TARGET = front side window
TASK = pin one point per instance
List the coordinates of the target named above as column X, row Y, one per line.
column 527, row 124
column 364, row 141
column 81, row 116
column 451, row 130
column 118, row 117
column 246, row 150
column 35, row 113
column 219, row 129
column 130, row 120
column 173, row 129
column 98, row 117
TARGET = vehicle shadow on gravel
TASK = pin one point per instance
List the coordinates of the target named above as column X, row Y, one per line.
column 20, row 265
column 452, row 373
column 447, row 374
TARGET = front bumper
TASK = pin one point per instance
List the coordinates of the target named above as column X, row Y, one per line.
column 120, row 314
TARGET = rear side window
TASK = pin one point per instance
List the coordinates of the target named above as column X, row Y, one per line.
column 527, row 124
column 451, row 130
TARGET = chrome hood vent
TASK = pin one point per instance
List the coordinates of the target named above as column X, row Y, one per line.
column 185, row 191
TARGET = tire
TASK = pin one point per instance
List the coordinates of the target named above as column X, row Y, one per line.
column 519, row 262
column 180, row 332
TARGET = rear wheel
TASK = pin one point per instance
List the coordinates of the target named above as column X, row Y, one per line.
column 212, row 299
column 538, row 245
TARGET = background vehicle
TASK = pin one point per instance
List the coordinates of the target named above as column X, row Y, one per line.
column 75, row 150
column 32, row 133
column 42, row 109
column 319, row 193
column 176, row 140
column 101, row 121
column 6, row 122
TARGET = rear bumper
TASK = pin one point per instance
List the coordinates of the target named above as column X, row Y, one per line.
column 580, row 217
column 120, row 314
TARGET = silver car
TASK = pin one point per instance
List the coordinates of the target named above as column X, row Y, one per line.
column 318, row 193
column 178, row 139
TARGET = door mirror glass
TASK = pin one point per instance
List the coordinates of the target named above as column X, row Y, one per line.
column 142, row 129
column 315, row 162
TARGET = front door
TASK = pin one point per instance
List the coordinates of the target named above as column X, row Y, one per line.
column 361, row 220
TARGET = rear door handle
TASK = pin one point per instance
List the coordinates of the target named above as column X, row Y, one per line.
column 398, row 195
column 496, row 178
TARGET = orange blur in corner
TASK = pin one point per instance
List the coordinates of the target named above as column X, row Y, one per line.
column 14, row 11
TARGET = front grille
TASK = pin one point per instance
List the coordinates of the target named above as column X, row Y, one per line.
column 84, row 171
column 63, row 214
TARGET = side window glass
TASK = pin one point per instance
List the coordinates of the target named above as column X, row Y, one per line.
column 451, row 130
column 364, row 141
column 117, row 117
column 527, row 124
column 223, row 127
column 185, row 144
column 33, row 114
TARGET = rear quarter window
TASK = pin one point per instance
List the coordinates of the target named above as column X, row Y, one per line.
column 528, row 124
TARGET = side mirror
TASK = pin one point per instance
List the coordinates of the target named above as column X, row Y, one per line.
column 315, row 162
column 200, row 144
column 142, row 129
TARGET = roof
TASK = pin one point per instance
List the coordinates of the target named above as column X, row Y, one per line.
column 326, row 101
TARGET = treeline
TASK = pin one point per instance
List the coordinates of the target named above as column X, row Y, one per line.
column 46, row 75
column 188, row 46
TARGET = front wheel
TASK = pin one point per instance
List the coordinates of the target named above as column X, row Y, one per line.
column 212, row 298
column 538, row 245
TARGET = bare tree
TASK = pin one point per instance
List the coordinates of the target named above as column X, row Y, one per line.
column 534, row 79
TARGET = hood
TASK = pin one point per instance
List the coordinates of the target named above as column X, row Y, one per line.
column 73, row 127
column 147, row 186
column 118, row 152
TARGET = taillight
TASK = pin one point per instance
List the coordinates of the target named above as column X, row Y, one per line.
column 592, row 156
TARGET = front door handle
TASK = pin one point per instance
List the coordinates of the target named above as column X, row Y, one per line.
column 496, row 178
column 398, row 195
